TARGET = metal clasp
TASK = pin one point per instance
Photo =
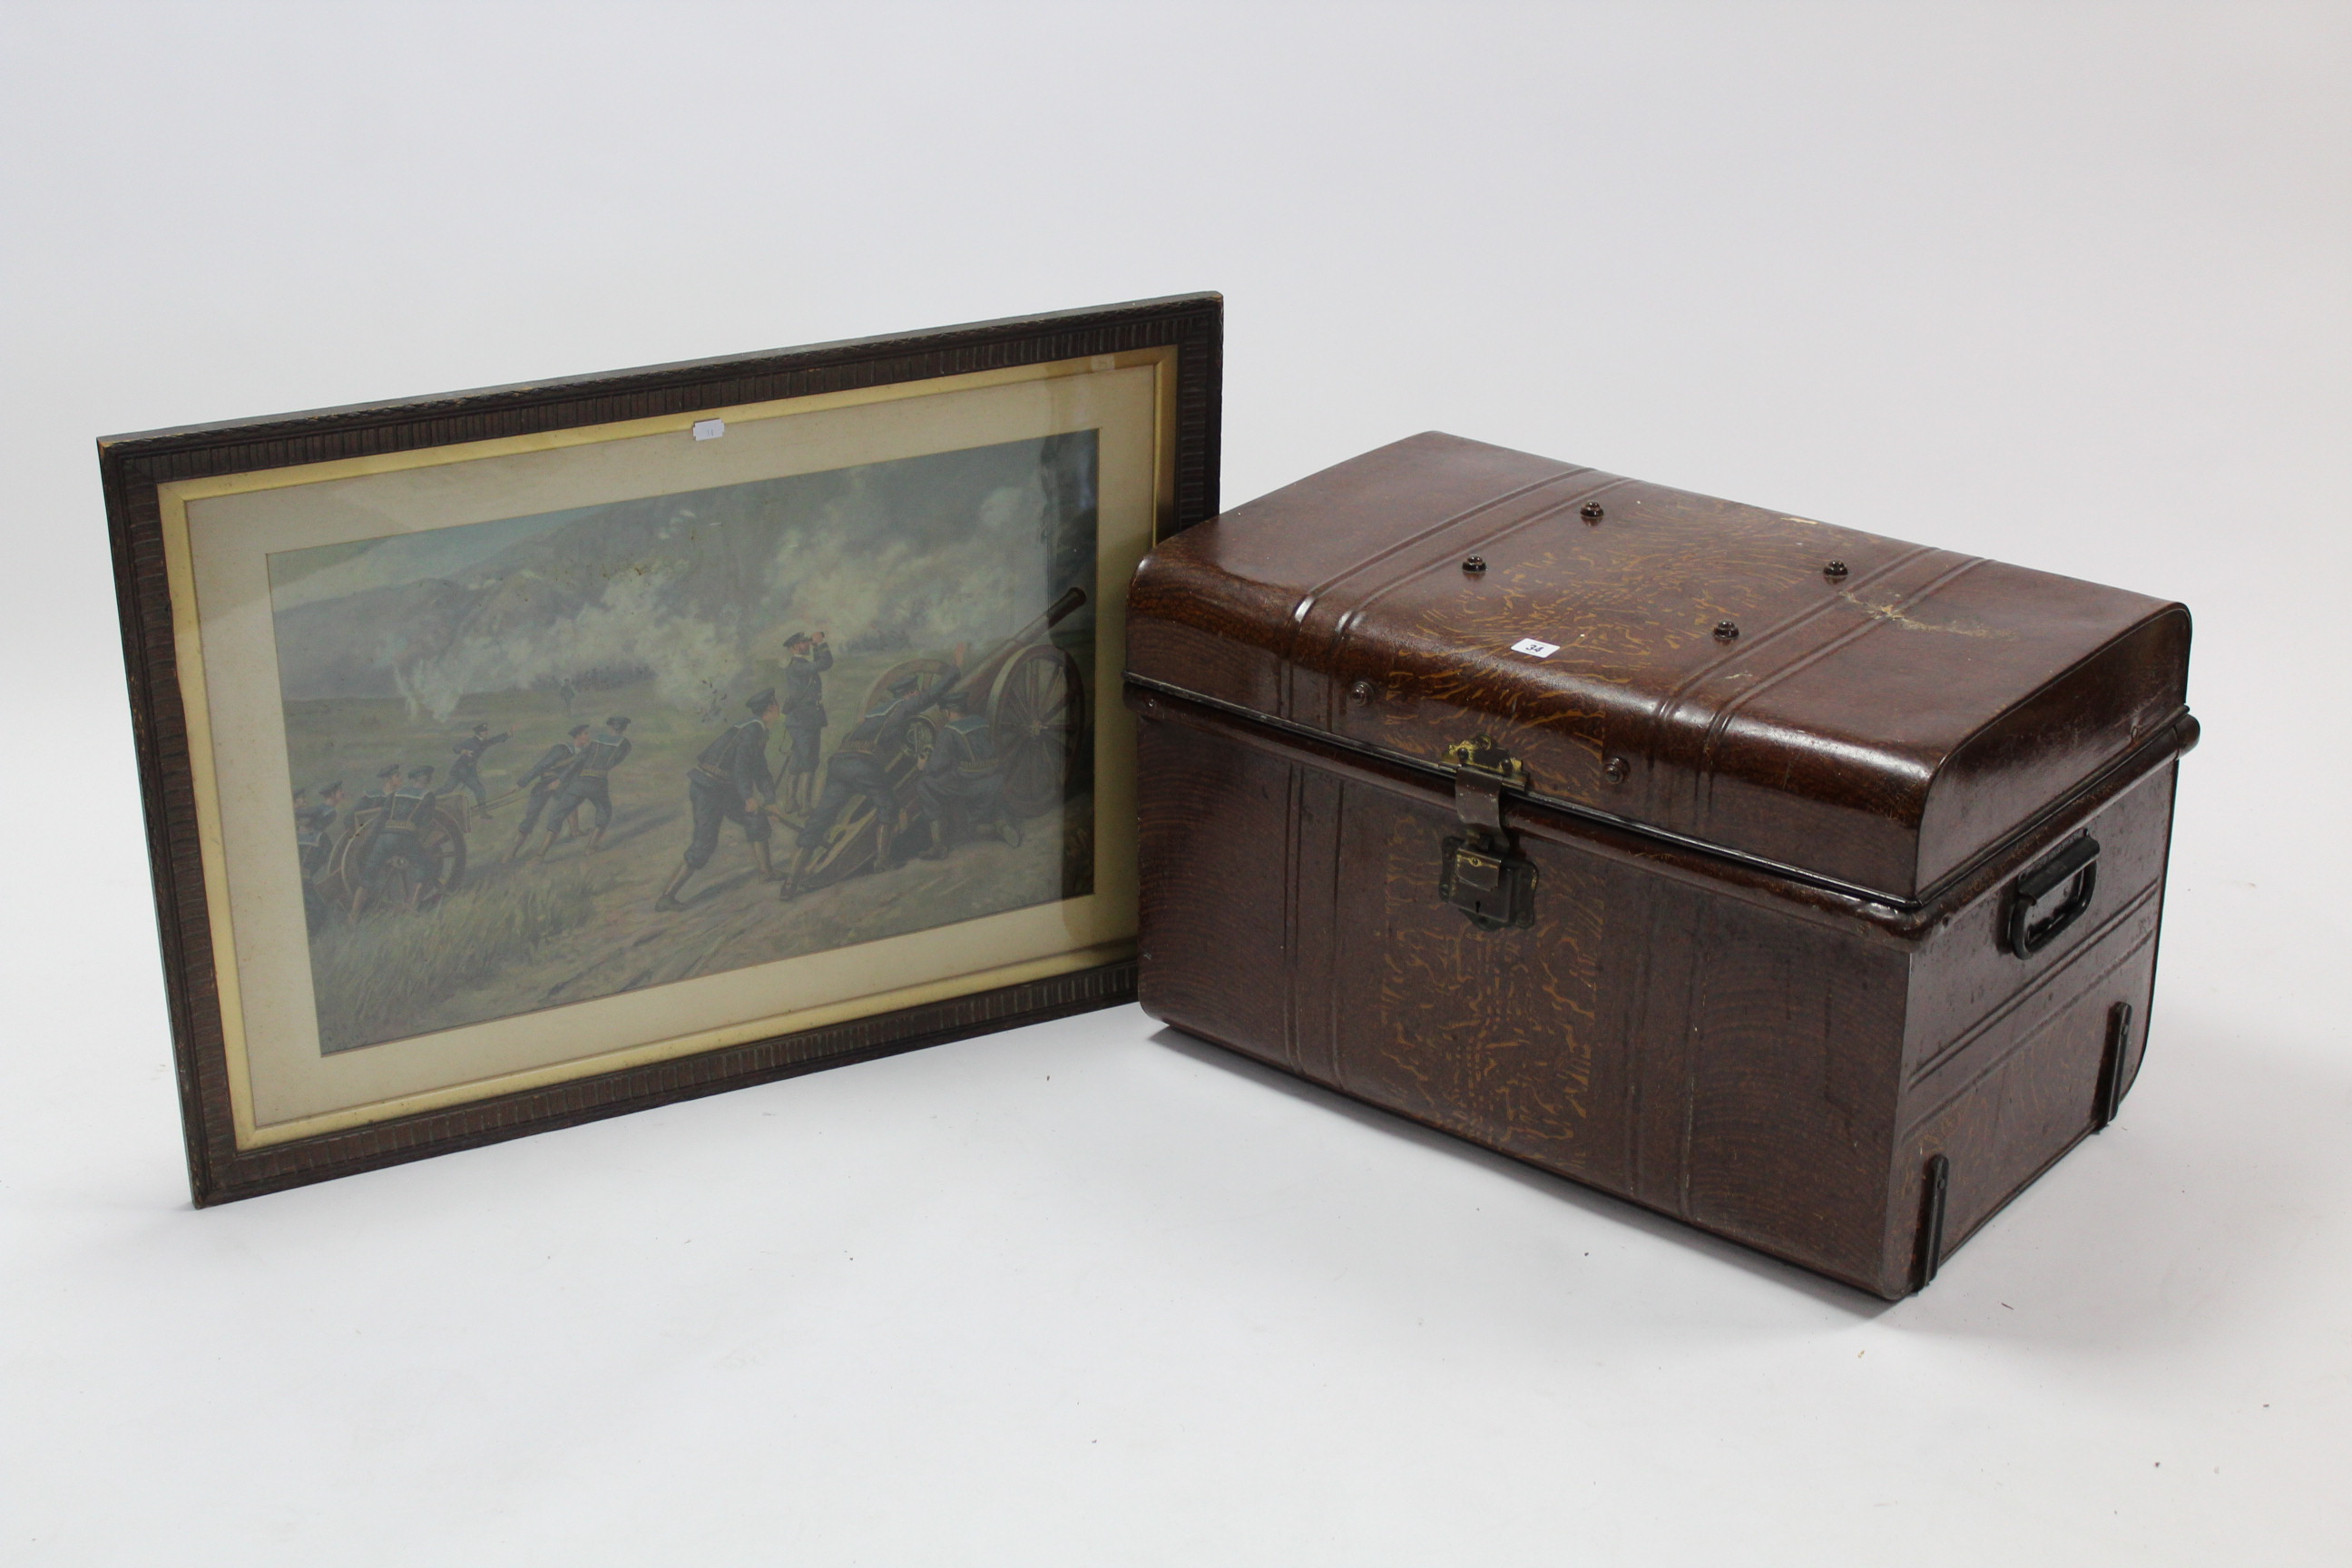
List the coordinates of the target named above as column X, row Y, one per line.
column 1485, row 754
column 1480, row 873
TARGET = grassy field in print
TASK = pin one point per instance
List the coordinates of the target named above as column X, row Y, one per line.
column 371, row 975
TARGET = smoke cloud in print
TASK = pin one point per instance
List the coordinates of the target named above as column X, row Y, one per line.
column 693, row 593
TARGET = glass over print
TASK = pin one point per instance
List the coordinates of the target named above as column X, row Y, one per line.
column 541, row 760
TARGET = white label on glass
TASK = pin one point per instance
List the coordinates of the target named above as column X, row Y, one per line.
column 1540, row 649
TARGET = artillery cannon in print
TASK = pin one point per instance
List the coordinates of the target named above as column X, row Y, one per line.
column 431, row 866
column 1034, row 700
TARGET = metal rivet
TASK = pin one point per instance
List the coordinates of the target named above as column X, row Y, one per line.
column 1834, row 569
column 1726, row 630
column 1475, row 564
column 1616, row 770
column 1360, row 693
column 1592, row 510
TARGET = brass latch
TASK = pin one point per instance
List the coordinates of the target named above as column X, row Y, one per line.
column 1481, row 874
column 1483, row 754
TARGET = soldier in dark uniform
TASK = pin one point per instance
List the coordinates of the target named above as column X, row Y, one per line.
column 730, row 781
column 545, row 777
column 314, row 824
column 961, row 784
column 387, row 779
column 587, row 779
column 312, row 915
column 399, row 838
column 567, row 690
column 465, row 773
column 367, row 816
column 803, row 706
column 306, row 847
column 314, row 827
column 857, row 769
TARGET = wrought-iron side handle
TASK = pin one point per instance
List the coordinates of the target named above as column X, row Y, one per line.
column 2074, row 868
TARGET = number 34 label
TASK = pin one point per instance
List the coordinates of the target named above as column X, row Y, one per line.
column 1531, row 645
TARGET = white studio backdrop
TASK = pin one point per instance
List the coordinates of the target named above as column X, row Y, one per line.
column 2065, row 285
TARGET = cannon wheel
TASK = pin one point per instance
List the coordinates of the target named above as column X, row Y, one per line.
column 1037, row 717
column 445, row 849
column 850, row 847
column 444, row 841
column 341, row 876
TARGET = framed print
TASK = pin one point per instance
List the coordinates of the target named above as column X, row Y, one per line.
column 528, row 755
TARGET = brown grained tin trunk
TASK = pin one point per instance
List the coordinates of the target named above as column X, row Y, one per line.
column 1798, row 883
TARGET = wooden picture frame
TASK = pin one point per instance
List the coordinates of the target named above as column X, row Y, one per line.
column 313, row 592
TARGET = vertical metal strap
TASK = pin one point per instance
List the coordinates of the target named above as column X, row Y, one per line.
column 1931, row 1220
column 2111, row 1067
column 1478, row 802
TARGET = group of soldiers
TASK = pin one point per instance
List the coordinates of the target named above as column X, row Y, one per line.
column 957, row 789
column 731, row 781
column 391, row 820
column 392, row 817
column 576, row 771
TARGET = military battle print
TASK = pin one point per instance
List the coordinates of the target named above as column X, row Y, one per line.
column 547, row 759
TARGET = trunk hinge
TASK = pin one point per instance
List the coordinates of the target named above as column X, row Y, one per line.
column 1481, row 874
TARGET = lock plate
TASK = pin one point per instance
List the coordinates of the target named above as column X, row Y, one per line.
column 1495, row 888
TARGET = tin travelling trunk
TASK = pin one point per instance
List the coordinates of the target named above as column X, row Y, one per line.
column 1797, row 882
